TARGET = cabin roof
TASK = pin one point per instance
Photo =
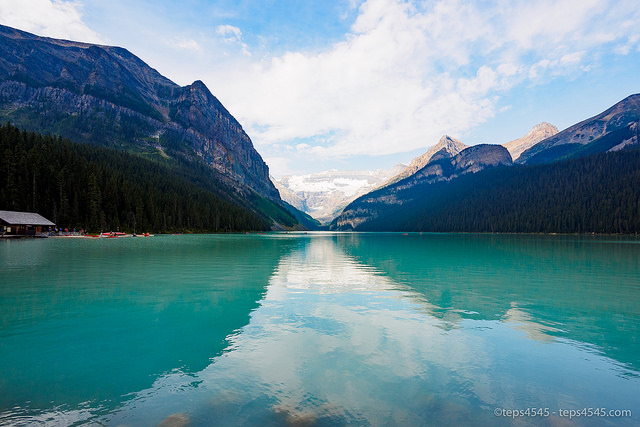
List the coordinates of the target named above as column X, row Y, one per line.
column 23, row 218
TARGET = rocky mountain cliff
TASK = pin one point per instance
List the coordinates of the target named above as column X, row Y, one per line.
column 446, row 147
column 440, row 168
column 470, row 160
column 538, row 133
column 107, row 96
column 612, row 130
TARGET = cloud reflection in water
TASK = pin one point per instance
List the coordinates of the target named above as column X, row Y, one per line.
column 337, row 341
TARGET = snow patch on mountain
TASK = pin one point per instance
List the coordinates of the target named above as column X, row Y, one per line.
column 323, row 195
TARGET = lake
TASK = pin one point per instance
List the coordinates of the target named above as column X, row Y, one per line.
column 321, row 329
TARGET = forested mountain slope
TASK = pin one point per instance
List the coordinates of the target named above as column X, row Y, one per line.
column 106, row 96
column 598, row 193
column 101, row 189
column 586, row 181
column 444, row 167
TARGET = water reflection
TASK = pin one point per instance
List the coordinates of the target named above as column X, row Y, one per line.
column 583, row 289
column 85, row 325
column 377, row 330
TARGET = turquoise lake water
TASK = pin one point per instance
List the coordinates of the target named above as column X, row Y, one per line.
column 321, row 329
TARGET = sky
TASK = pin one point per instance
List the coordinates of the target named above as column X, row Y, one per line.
column 367, row 84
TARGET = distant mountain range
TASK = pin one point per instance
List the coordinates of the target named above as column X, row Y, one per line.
column 323, row 195
column 106, row 96
column 433, row 184
column 445, row 160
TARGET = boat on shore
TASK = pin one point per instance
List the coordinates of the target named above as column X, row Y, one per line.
column 109, row 235
column 114, row 235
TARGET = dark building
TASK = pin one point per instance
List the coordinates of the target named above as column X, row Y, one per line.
column 22, row 223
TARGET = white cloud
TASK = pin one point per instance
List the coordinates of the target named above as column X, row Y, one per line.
column 50, row 18
column 279, row 166
column 388, row 87
column 406, row 72
column 230, row 32
column 410, row 71
column 572, row 58
column 187, row 44
column 233, row 35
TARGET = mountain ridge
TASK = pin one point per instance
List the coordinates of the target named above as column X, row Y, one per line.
column 445, row 147
column 442, row 168
column 536, row 134
column 108, row 96
column 615, row 129
column 588, row 194
column 590, row 135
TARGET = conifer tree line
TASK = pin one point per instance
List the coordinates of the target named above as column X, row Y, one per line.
column 599, row 193
column 99, row 189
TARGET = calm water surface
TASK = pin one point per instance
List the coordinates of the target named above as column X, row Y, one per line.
column 320, row 329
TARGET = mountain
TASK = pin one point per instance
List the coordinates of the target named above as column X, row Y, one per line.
column 446, row 147
column 610, row 130
column 583, row 179
column 105, row 95
column 590, row 194
column 305, row 220
column 440, row 168
column 538, row 133
column 470, row 160
column 323, row 195
column 96, row 188
column 291, row 197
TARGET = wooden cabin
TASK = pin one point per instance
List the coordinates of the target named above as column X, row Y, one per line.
column 14, row 223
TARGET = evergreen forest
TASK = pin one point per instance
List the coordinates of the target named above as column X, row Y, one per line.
column 94, row 188
column 599, row 193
